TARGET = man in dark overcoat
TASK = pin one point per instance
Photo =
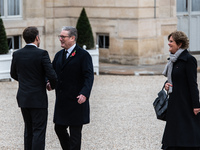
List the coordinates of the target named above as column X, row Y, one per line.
column 74, row 69
column 30, row 67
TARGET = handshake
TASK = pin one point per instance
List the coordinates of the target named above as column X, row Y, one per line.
column 48, row 86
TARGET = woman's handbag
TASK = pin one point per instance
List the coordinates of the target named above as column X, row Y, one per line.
column 160, row 105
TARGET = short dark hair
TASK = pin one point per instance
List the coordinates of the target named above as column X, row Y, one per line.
column 180, row 37
column 30, row 33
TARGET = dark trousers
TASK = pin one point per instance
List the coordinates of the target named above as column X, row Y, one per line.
column 183, row 148
column 35, row 120
column 71, row 141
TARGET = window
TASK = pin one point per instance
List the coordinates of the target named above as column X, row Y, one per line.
column 2, row 7
column 14, row 42
column 195, row 5
column 11, row 8
column 182, row 5
column 103, row 40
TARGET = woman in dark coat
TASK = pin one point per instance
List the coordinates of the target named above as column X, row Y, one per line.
column 182, row 130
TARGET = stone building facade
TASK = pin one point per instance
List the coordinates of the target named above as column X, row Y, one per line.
column 128, row 32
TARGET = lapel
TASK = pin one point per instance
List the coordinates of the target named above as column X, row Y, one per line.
column 60, row 57
column 71, row 56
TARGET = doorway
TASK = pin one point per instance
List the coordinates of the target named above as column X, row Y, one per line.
column 188, row 14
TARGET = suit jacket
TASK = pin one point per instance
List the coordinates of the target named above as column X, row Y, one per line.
column 75, row 77
column 30, row 67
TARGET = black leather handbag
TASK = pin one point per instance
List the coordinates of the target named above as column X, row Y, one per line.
column 160, row 105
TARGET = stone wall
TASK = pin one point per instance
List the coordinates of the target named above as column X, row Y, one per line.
column 137, row 29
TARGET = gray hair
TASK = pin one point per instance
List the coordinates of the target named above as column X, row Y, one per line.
column 72, row 31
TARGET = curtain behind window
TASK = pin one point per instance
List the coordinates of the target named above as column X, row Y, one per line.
column 195, row 5
column 2, row 7
column 13, row 7
column 182, row 5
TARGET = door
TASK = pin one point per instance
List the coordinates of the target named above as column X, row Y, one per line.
column 188, row 14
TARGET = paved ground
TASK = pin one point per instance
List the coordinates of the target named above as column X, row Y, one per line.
column 122, row 116
column 117, row 69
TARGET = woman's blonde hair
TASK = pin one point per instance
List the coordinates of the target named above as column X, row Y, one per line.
column 180, row 37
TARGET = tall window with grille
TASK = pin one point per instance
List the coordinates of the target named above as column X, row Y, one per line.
column 188, row 14
column 11, row 8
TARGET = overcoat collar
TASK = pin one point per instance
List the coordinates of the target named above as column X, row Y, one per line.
column 184, row 55
column 30, row 46
column 71, row 56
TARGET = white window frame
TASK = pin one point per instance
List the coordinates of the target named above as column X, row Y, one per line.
column 104, row 35
column 13, row 42
column 6, row 16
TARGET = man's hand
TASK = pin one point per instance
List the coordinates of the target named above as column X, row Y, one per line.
column 48, row 86
column 81, row 99
column 196, row 110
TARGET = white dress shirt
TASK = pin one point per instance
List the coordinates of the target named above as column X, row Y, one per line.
column 70, row 50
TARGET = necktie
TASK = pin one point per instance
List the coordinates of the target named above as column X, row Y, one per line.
column 66, row 52
column 65, row 55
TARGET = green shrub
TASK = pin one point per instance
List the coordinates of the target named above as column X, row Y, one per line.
column 85, row 36
column 3, row 39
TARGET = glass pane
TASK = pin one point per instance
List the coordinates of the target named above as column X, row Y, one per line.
column 195, row 5
column 9, row 43
column 13, row 7
column 100, row 42
column 2, row 7
column 182, row 5
column 16, row 42
column 106, row 41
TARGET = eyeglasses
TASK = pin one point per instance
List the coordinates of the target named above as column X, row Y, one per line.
column 62, row 37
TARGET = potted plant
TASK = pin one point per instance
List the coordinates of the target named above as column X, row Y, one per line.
column 86, row 40
column 85, row 36
column 3, row 39
column 5, row 57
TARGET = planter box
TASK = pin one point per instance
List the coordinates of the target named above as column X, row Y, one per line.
column 95, row 58
column 5, row 62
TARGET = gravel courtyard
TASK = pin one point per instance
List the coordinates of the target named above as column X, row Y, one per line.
column 122, row 115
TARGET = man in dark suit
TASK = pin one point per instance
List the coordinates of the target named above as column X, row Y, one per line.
column 74, row 69
column 30, row 67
